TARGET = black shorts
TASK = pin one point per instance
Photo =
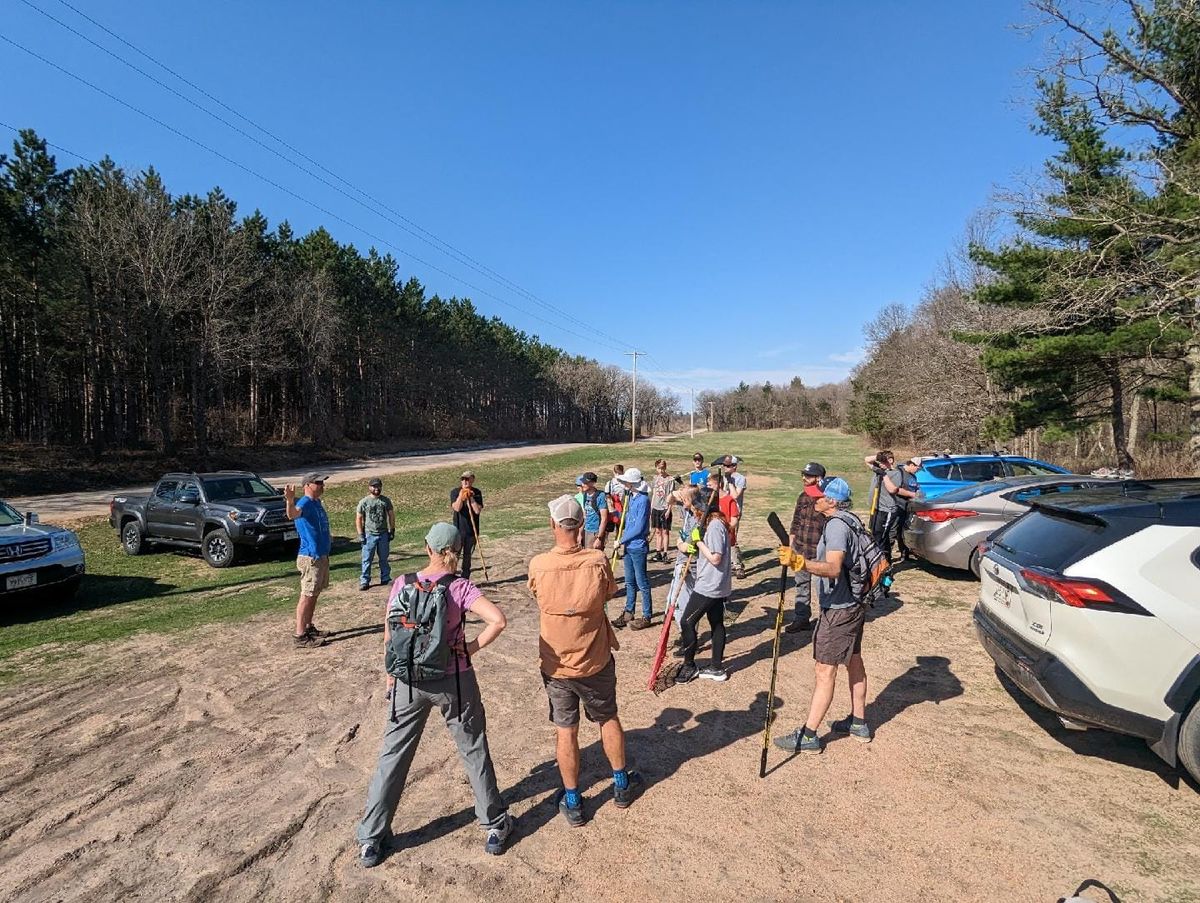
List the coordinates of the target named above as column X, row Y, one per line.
column 597, row 692
column 839, row 635
column 660, row 520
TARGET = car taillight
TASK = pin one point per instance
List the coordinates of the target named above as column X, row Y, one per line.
column 941, row 515
column 1079, row 593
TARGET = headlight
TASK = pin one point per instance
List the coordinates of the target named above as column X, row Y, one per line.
column 64, row 540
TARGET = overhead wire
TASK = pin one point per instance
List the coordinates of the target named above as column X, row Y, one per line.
column 57, row 147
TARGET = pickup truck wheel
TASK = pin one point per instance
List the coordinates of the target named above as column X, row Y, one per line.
column 218, row 549
column 1189, row 742
column 133, row 540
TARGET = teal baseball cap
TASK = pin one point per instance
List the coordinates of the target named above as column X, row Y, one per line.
column 443, row 536
column 837, row 490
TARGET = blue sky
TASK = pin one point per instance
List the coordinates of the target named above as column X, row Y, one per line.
column 734, row 188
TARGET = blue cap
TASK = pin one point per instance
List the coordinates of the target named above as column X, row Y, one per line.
column 837, row 490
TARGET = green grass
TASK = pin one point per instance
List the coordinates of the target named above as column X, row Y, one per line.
column 168, row 590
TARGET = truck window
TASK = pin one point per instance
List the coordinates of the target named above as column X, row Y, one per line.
column 189, row 486
column 165, row 490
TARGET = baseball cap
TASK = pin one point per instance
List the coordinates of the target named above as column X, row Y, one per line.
column 375, row 481
column 588, row 477
column 731, row 460
column 837, row 490
column 314, row 476
column 813, row 469
column 467, row 475
column 443, row 536
column 565, row 511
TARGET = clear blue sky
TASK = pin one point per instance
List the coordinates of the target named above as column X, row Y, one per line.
column 733, row 187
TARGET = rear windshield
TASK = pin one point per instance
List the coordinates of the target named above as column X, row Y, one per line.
column 1047, row 540
column 228, row 489
column 966, row 493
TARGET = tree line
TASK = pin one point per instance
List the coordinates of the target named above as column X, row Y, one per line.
column 132, row 318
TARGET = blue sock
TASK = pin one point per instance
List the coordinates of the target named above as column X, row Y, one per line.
column 572, row 797
column 621, row 779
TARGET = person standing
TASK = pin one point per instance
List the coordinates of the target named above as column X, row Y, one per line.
column 839, row 633
column 660, row 508
column 595, row 512
column 803, row 537
column 615, row 490
column 735, row 486
column 908, row 490
column 710, row 543
column 893, row 498
column 467, row 502
column 571, row 585
column 456, row 695
column 634, row 540
column 375, row 524
column 697, row 475
column 312, row 525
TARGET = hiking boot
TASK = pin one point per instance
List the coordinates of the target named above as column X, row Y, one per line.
column 622, row 619
column 860, row 732
column 714, row 673
column 623, row 798
column 796, row 741
column 639, row 623
column 798, row 626
column 305, row 641
column 363, row 586
column 497, row 838
column 575, row 817
column 740, row 573
column 370, row 854
column 686, row 673
column 312, row 631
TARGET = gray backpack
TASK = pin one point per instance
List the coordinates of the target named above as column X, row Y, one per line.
column 418, row 647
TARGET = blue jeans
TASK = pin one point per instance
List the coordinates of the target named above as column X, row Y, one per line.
column 636, row 578
column 376, row 543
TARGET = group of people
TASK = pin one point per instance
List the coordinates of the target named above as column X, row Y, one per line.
column 428, row 657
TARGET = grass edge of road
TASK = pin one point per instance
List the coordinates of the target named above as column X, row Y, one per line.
column 168, row 591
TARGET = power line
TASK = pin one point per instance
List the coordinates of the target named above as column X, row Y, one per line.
column 376, row 206
column 222, row 156
column 57, row 147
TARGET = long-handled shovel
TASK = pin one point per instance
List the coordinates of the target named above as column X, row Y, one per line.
column 777, row 526
column 478, row 547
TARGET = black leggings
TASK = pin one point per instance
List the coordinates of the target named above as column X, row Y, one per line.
column 715, row 609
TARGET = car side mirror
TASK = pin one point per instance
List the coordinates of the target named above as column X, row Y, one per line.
column 30, row 518
column 189, row 498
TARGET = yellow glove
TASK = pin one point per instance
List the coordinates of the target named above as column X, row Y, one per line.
column 695, row 537
column 791, row 559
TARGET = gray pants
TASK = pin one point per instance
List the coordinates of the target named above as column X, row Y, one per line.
column 400, row 740
column 735, row 558
column 803, row 596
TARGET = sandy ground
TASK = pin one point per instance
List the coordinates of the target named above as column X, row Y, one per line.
column 224, row 764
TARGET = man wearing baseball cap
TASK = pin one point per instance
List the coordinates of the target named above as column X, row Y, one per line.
column 803, row 536
column 467, row 502
column 312, row 524
column 595, row 511
column 375, row 524
column 839, row 633
column 735, row 486
column 572, row 585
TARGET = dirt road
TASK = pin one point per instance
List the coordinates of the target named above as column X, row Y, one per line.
column 223, row 764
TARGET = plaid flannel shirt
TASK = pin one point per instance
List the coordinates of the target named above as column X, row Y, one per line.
column 807, row 526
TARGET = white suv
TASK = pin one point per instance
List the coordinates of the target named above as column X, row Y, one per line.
column 1091, row 604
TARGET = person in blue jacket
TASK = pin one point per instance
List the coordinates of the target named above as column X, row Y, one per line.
column 635, row 539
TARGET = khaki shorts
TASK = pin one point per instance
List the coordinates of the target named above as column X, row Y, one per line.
column 839, row 635
column 598, row 693
column 314, row 574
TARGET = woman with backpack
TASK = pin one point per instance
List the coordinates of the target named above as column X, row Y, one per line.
column 709, row 542
column 428, row 659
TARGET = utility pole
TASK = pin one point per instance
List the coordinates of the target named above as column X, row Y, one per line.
column 633, row 415
column 693, row 391
column 712, row 418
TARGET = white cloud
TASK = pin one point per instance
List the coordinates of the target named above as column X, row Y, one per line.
column 850, row 357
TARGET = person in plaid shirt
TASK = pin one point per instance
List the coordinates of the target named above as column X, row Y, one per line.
column 803, row 537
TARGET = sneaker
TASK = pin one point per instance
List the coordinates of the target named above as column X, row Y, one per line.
column 305, row 641
column 363, row 586
column 798, row 626
column 796, row 741
column 575, row 817
column 312, row 631
column 497, row 838
column 714, row 673
column 370, row 854
column 639, row 623
column 740, row 573
column 622, row 619
column 623, row 798
column 860, row 732
column 686, row 673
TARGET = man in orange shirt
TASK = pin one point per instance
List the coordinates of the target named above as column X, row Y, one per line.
column 571, row 585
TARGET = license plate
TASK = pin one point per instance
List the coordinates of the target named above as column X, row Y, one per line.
column 21, row 581
column 290, row 534
column 1003, row 596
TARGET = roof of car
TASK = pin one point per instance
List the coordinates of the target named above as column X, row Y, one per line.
column 976, row 456
column 214, row 473
column 1137, row 498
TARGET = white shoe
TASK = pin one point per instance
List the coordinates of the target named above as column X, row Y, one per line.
column 497, row 838
column 711, row 673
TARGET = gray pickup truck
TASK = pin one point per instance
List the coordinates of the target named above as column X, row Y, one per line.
column 217, row 513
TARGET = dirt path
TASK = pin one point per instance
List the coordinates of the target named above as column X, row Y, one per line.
column 223, row 764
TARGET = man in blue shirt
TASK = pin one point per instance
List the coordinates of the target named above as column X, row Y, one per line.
column 312, row 523
column 635, row 539
column 698, row 475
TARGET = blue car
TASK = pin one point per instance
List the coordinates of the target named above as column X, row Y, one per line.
column 941, row 473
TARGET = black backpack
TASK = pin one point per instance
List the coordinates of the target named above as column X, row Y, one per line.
column 867, row 568
column 418, row 647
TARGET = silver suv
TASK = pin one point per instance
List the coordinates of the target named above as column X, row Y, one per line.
column 37, row 556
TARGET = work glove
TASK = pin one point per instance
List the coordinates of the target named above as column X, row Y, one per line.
column 791, row 559
column 465, row 495
column 692, row 548
column 362, row 539
column 391, row 535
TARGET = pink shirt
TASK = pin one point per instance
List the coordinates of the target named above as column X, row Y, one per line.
column 463, row 594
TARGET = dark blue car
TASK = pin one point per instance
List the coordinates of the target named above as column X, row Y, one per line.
column 942, row 473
